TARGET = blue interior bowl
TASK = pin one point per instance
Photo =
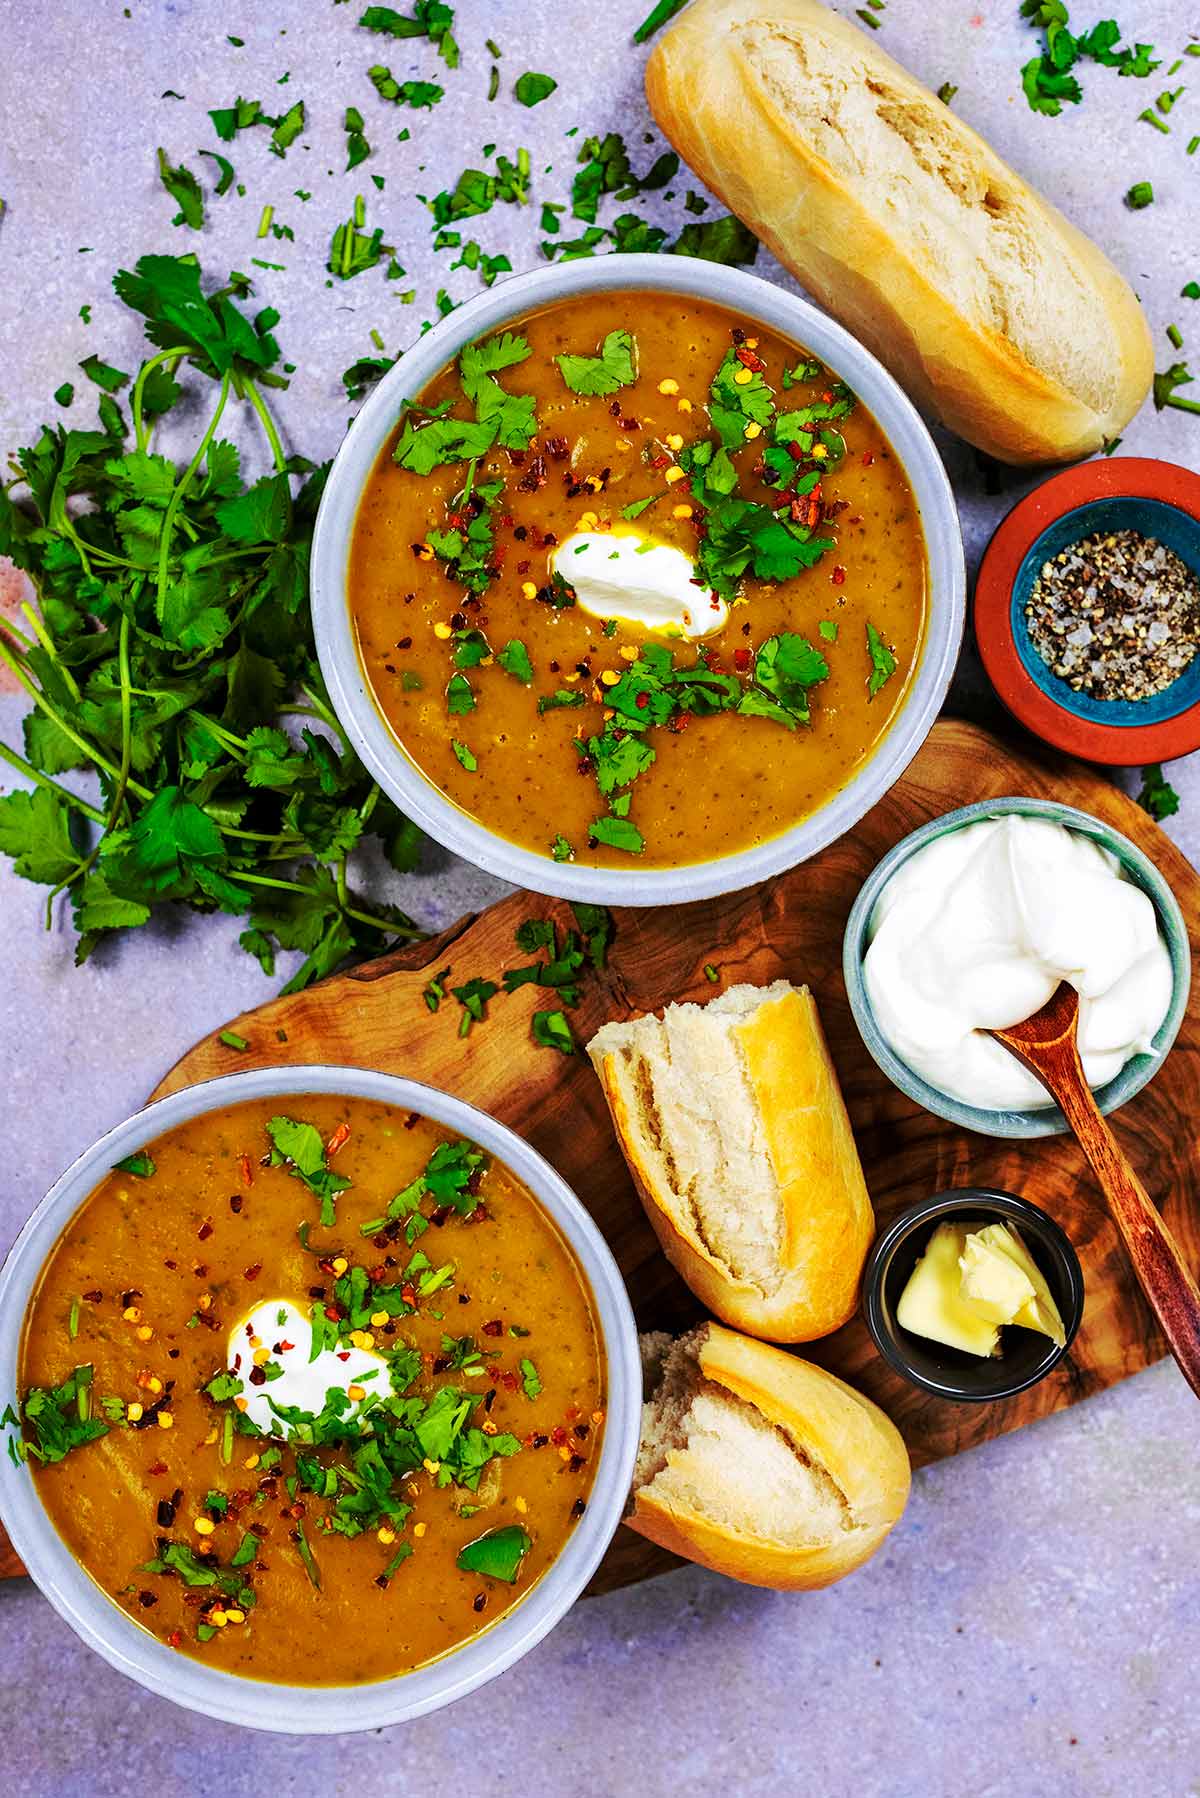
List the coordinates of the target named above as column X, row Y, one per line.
column 1179, row 531
column 1048, row 1120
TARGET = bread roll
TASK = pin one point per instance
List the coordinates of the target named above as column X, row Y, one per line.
column 731, row 1119
column 985, row 303
column 760, row 1466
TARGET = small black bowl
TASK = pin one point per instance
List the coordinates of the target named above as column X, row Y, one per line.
column 951, row 1373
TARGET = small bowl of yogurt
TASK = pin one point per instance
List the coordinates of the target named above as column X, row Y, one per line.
column 970, row 923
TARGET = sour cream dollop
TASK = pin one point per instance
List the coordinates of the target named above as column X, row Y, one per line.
column 286, row 1333
column 623, row 574
column 976, row 930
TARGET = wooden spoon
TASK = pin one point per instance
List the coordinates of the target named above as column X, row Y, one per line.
column 1048, row 1046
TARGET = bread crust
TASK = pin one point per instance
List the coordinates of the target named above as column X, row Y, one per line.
column 840, row 1430
column 708, row 97
column 829, row 1223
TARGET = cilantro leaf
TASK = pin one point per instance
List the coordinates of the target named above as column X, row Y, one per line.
column 614, row 367
column 1157, row 796
column 531, row 89
column 552, row 1031
column 618, row 833
column 35, row 831
column 498, row 1554
column 514, row 659
column 883, row 662
column 185, row 190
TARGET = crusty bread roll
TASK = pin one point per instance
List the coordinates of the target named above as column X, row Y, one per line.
column 985, row 303
column 760, row 1466
column 731, row 1119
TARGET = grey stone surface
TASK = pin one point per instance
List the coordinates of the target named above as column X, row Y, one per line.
column 1032, row 1625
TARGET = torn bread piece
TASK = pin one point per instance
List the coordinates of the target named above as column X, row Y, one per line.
column 760, row 1466
column 732, row 1121
column 995, row 312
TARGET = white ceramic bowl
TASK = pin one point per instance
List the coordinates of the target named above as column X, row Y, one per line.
column 337, row 648
column 299, row 1710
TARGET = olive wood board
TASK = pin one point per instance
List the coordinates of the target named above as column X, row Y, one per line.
column 374, row 1016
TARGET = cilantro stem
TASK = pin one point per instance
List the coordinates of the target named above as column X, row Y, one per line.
column 43, row 704
column 386, row 925
column 122, row 782
column 164, row 356
column 43, row 636
column 181, row 487
column 268, row 424
column 51, row 786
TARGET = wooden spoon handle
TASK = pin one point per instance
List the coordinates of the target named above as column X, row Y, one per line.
column 1156, row 1256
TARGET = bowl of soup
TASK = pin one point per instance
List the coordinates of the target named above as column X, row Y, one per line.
column 637, row 580
column 322, row 1398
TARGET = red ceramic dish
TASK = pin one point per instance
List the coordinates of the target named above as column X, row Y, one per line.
column 1011, row 668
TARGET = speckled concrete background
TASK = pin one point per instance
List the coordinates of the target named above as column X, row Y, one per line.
column 1032, row 1627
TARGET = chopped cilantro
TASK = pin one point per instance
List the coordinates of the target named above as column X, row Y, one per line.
column 514, row 659
column 498, row 1555
column 60, row 1417
column 464, row 755
column 301, row 1148
column 140, row 1165
column 531, row 89
column 1157, row 795
column 185, row 190
column 1140, row 195
column 614, row 367
column 883, row 662
column 658, row 16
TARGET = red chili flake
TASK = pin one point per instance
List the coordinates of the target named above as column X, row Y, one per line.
column 748, row 359
column 493, row 1327
column 205, row 1231
column 549, row 540
column 93, row 1298
column 341, row 1135
column 147, row 1599
column 332, row 1313
column 479, row 1602
column 558, row 1435
column 158, row 1469
column 343, row 1354
column 741, row 660
column 579, row 1507
column 642, row 701
column 174, row 1639
column 631, row 424
column 131, row 1293
column 408, row 1293
column 738, row 335
column 247, row 1170
column 235, row 1202
column 200, row 1269
column 658, row 461
column 281, row 1348
column 523, row 565
column 558, row 447
column 171, row 1264
column 534, row 476
column 582, row 1430
column 516, row 457
column 838, row 576
column 164, row 1514
column 412, row 1120
column 814, row 512
column 867, row 459
column 252, row 1273
column 538, row 1441
column 258, row 1376
column 509, row 1381
column 575, row 1463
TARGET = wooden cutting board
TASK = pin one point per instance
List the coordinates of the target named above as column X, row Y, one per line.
column 374, row 1016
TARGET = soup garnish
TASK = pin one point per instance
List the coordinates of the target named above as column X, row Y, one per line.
column 280, row 1355
column 651, row 590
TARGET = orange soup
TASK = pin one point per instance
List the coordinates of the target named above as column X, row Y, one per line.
column 638, row 582
column 313, row 1389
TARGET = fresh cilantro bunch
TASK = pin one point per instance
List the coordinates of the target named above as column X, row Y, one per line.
column 170, row 646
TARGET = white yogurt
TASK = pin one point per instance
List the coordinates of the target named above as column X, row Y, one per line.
column 303, row 1383
column 623, row 574
column 976, row 930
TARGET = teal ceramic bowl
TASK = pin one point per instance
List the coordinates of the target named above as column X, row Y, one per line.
column 1047, row 1121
